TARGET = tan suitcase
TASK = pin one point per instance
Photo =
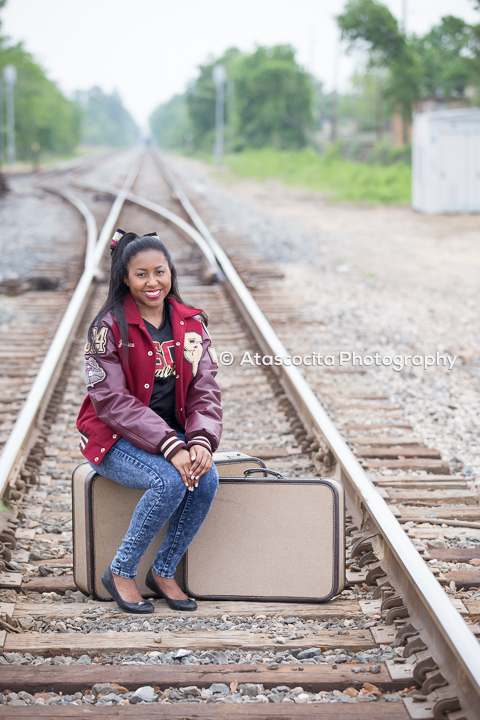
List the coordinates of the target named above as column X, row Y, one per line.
column 270, row 539
column 102, row 510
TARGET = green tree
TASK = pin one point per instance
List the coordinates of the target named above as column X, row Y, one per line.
column 274, row 99
column 42, row 114
column 170, row 123
column 3, row 184
column 105, row 120
column 371, row 25
column 472, row 52
column 443, row 62
column 475, row 51
column 367, row 103
column 271, row 104
column 201, row 99
column 446, row 69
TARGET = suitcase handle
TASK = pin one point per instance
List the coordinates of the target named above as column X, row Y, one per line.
column 250, row 471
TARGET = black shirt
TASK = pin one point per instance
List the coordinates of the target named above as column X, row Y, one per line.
column 162, row 400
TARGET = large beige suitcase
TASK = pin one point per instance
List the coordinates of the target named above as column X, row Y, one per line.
column 270, row 539
column 102, row 510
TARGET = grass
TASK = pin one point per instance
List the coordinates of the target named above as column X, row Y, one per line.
column 339, row 179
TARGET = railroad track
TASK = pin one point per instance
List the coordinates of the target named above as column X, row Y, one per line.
column 392, row 638
column 34, row 301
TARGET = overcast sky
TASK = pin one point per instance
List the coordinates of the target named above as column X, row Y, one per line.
column 148, row 50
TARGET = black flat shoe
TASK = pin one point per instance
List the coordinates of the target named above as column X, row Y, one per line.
column 187, row 604
column 109, row 584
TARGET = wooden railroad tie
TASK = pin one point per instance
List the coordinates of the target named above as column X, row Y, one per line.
column 212, row 711
column 312, row 678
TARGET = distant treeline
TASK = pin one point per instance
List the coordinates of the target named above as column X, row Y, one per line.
column 268, row 101
column 271, row 101
column 48, row 122
column 104, row 120
column 42, row 114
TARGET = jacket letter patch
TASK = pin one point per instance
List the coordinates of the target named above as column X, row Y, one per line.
column 192, row 349
column 93, row 372
column 99, row 344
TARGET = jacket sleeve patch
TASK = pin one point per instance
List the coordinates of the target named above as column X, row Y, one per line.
column 192, row 349
column 99, row 344
column 213, row 354
column 93, row 372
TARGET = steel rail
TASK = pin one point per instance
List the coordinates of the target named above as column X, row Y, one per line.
column 437, row 618
column 86, row 213
column 215, row 273
column 76, row 164
column 20, row 440
column 185, row 229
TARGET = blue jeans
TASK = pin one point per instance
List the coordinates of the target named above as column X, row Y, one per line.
column 166, row 499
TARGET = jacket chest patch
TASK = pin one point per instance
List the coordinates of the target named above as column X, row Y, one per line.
column 192, row 349
column 164, row 358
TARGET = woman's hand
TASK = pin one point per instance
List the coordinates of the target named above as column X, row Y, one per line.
column 181, row 461
column 201, row 462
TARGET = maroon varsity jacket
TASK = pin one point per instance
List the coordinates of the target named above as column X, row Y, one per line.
column 117, row 402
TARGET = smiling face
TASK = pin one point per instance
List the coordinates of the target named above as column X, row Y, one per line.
column 149, row 280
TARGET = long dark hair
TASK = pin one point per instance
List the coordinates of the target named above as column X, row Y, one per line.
column 129, row 245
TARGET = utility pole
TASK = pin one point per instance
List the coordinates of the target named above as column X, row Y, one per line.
column 334, row 106
column 311, row 52
column 219, row 77
column 2, row 125
column 404, row 16
column 231, row 114
column 10, row 77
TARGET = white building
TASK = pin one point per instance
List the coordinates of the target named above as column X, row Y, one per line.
column 446, row 161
